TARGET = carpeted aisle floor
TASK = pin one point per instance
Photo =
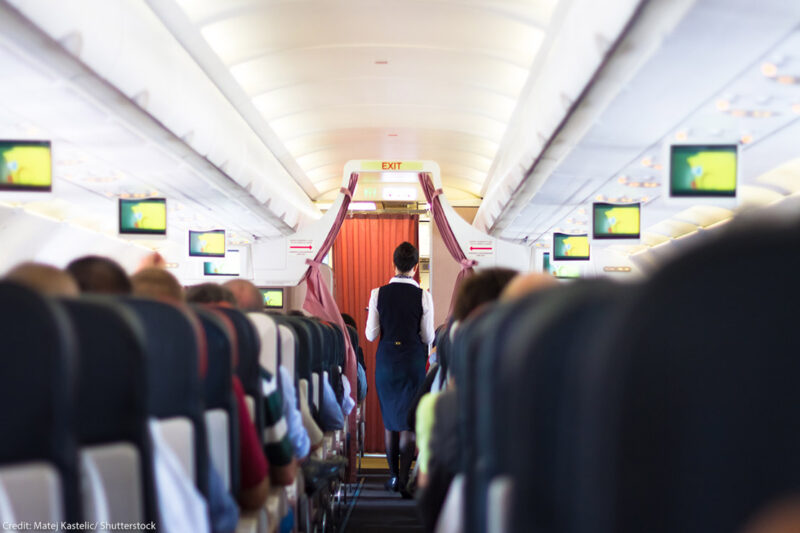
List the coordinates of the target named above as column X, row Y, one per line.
column 378, row 510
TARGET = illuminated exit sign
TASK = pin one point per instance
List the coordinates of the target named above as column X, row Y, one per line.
column 397, row 166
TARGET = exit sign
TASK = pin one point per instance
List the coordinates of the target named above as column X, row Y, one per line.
column 409, row 166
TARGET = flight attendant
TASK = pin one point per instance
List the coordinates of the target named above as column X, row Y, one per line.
column 402, row 314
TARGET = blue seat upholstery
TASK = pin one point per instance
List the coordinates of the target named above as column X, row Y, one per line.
column 112, row 386
column 38, row 372
column 218, row 381
column 690, row 413
column 173, row 372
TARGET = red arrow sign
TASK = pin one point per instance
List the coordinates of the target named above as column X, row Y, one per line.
column 479, row 248
column 300, row 247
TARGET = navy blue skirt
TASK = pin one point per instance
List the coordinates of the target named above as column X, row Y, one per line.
column 399, row 373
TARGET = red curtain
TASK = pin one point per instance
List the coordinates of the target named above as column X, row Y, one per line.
column 362, row 261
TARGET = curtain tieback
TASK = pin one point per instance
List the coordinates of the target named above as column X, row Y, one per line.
column 436, row 194
column 312, row 263
column 466, row 264
column 346, row 192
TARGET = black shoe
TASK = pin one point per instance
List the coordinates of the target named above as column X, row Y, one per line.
column 391, row 484
column 405, row 494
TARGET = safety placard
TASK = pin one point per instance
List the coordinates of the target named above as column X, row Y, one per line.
column 301, row 247
column 480, row 248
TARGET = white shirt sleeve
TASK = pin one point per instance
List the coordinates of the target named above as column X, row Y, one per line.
column 426, row 330
column 373, row 320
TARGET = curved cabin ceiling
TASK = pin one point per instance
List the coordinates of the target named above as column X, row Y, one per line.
column 336, row 81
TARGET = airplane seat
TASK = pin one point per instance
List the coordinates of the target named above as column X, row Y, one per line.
column 690, row 412
column 270, row 341
column 248, row 367
column 317, row 362
column 221, row 415
column 6, row 512
column 302, row 359
column 175, row 392
column 112, row 406
column 523, row 446
column 39, row 465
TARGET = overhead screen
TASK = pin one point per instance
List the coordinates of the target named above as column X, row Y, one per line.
column 570, row 247
column 25, row 166
column 227, row 266
column 611, row 221
column 273, row 298
column 207, row 243
column 567, row 271
column 703, row 170
column 143, row 216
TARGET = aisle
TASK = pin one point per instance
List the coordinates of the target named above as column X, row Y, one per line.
column 378, row 510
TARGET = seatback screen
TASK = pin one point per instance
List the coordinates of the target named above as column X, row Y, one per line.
column 227, row 266
column 570, row 247
column 612, row 221
column 26, row 166
column 703, row 170
column 273, row 298
column 143, row 216
column 207, row 243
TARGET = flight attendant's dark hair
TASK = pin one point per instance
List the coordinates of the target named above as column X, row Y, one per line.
column 406, row 257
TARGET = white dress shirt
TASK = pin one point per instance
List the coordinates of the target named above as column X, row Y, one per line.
column 426, row 330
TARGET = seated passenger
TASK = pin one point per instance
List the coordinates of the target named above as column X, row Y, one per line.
column 361, row 390
column 99, row 275
column 46, row 279
column 159, row 284
column 437, row 415
column 252, row 462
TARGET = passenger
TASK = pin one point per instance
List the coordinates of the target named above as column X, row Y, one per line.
column 46, row 279
column 159, row 284
column 210, row 293
column 361, row 390
column 401, row 313
column 279, row 448
column 153, row 260
column 525, row 284
column 437, row 414
column 253, row 468
column 99, row 275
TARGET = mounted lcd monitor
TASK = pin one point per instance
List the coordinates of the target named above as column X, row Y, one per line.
column 273, row 298
column 546, row 268
column 228, row 266
column 703, row 170
column 143, row 217
column 612, row 221
column 26, row 166
column 207, row 243
column 570, row 247
column 567, row 271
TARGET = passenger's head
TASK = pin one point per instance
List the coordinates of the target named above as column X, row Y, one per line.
column 210, row 293
column 781, row 517
column 157, row 283
column 350, row 321
column 405, row 257
column 246, row 295
column 45, row 279
column 99, row 274
column 525, row 284
column 480, row 288
column 152, row 260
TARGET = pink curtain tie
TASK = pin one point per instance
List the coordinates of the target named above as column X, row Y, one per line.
column 466, row 264
column 436, row 194
column 311, row 262
column 346, row 192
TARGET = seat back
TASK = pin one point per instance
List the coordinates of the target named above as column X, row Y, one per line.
column 175, row 392
column 112, row 406
column 690, row 412
column 288, row 344
column 248, row 367
column 270, row 340
column 221, row 415
column 38, row 449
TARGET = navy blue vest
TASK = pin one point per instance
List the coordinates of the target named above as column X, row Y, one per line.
column 400, row 313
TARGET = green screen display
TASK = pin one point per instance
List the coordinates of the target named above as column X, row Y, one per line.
column 616, row 221
column 227, row 266
column 273, row 298
column 143, row 216
column 567, row 271
column 700, row 170
column 207, row 243
column 570, row 247
column 26, row 166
